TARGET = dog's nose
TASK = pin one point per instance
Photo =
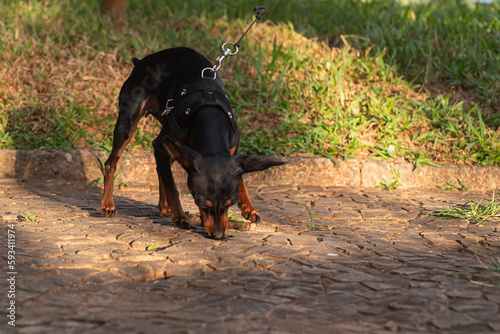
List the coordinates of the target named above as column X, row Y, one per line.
column 218, row 234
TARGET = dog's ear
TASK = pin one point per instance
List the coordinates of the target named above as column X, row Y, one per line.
column 135, row 61
column 249, row 163
column 182, row 154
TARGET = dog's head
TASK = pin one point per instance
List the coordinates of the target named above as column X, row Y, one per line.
column 214, row 181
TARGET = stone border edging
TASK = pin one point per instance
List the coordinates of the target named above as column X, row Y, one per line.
column 139, row 169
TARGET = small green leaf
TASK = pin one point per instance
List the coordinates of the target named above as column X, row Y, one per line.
column 30, row 216
column 233, row 218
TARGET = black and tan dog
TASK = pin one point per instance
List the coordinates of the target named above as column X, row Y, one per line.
column 199, row 132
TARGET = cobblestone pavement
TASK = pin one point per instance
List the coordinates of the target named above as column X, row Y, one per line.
column 382, row 266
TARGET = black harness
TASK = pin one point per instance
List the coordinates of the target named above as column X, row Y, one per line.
column 189, row 95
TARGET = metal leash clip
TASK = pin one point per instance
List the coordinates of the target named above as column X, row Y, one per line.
column 227, row 52
column 260, row 11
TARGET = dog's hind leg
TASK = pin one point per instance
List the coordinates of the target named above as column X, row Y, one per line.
column 126, row 125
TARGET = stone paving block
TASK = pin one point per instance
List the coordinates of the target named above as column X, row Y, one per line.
column 385, row 265
column 448, row 319
column 266, row 262
column 258, row 286
column 369, row 309
column 98, row 252
column 493, row 298
column 378, row 286
column 190, row 258
column 31, row 253
column 283, row 240
column 268, row 299
column 409, row 271
column 133, row 255
column 346, row 214
column 36, row 329
column 282, row 253
column 171, row 283
column 104, row 277
column 354, row 276
column 286, row 311
column 495, row 326
column 288, row 267
column 114, row 245
column 258, row 277
column 299, row 278
column 144, row 242
column 23, row 296
column 422, row 284
column 481, row 306
column 470, row 294
column 49, row 263
column 192, row 270
column 339, row 299
column 318, row 212
column 220, row 275
column 305, row 294
column 226, row 291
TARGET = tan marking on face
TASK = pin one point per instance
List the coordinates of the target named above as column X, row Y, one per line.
column 209, row 203
column 228, row 203
column 224, row 221
column 208, row 221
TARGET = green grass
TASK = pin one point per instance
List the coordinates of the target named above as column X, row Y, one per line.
column 392, row 184
column 375, row 79
column 312, row 225
column 425, row 40
column 450, row 186
column 495, row 266
column 100, row 180
column 492, row 270
column 471, row 212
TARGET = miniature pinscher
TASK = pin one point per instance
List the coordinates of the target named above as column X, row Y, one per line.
column 179, row 87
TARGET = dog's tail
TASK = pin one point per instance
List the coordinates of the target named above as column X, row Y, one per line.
column 135, row 61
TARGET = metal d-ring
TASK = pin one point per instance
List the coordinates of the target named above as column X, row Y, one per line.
column 210, row 69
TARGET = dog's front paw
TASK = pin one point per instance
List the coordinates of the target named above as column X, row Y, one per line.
column 107, row 208
column 181, row 222
column 249, row 212
column 164, row 210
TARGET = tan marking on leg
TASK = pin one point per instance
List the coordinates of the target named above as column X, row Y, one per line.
column 247, row 209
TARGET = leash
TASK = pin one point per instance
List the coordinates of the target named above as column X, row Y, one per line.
column 260, row 11
column 193, row 96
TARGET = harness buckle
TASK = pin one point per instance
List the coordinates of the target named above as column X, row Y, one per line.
column 167, row 108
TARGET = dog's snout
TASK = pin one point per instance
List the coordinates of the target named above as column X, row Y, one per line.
column 215, row 222
column 218, row 234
